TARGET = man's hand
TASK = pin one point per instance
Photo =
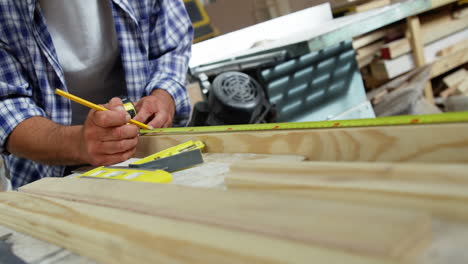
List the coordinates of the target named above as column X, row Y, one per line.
column 106, row 137
column 157, row 110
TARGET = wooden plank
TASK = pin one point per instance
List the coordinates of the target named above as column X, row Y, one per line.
column 439, row 3
column 463, row 87
column 455, row 78
column 332, row 225
column 459, row 88
column 452, row 49
column 441, row 190
column 437, row 27
column 461, row 13
column 345, row 4
column 372, row 5
column 110, row 235
column 393, row 68
column 446, row 143
column 393, row 31
column 365, row 55
column 369, row 50
column 414, row 27
column 369, row 38
column 210, row 172
column 449, row 62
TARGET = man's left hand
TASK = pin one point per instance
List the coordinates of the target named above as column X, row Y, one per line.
column 157, row 110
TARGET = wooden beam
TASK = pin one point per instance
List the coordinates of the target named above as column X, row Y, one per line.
column 439, row 189
column 109, row 235
column 449, row 62
column 365, row 55
column 414, row 27
column 439, row 3
column 378, row 34
column 369, row 38
column 389, row 69
column 332, row 225
column 372, row 5
column 452, row 49
column 369, row 50
column 445, row 143
column 455, row 78
column 437, row 26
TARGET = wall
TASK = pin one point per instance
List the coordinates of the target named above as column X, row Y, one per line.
column 229, row 15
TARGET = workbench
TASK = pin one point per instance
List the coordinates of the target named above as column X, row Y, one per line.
column 35, row 251
column 449, row 238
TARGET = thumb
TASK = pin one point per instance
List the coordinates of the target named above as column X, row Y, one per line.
column 115, row 104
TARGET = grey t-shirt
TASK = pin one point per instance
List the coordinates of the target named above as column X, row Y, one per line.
column 85, row 39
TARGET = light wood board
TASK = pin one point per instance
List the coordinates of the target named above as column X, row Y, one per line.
column 444, row 143
column 210, row 172
column 372, row 5
column 389, row 69
column 449, row 62
column 439, row 189
column 312, row 222
column 110, row 235
column 436, row 27
column 414, row 27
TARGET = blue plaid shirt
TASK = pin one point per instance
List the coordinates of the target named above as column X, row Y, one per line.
column 155, row 40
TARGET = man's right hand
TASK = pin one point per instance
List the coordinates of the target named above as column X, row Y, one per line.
column 106, row 138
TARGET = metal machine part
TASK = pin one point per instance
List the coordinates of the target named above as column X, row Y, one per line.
column 234, row 98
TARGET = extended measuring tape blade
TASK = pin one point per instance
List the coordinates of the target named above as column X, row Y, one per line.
column 461, row 117
column 184, row 147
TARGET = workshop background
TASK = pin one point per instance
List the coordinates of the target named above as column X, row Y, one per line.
column 399, row 66
column 385, row 76
column 365, row 190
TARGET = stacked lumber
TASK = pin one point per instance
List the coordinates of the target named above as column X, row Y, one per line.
column 445, row 39
column 368, row 46
column 441, row 40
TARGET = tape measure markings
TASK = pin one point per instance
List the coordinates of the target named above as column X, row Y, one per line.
column 459, row 117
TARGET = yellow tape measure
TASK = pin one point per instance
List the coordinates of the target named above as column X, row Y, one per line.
column 187, row 146
column 460, row 117
column 129, row 107
column 129, row 174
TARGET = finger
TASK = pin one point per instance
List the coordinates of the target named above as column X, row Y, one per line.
column 118, row 133
column 114, row 147
column 111, row 118
column 159, row 120
column 144, row 114
column 107, row 160
column 113, row 103
column 168, row 124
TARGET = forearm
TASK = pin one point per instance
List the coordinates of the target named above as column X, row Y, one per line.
column 170, row 41
column 46, row 142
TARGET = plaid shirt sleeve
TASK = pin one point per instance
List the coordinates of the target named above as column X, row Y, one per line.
column 170, row 42
column 16, row 104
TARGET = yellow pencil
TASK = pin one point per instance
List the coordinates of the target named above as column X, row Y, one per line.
column 95, row 106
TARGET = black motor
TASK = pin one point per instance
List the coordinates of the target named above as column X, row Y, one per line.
column 234, row 98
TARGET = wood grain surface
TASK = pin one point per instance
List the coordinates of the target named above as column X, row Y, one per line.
column 439, row 189
column 446, row 143
column 110, row 235
column 389, row 234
